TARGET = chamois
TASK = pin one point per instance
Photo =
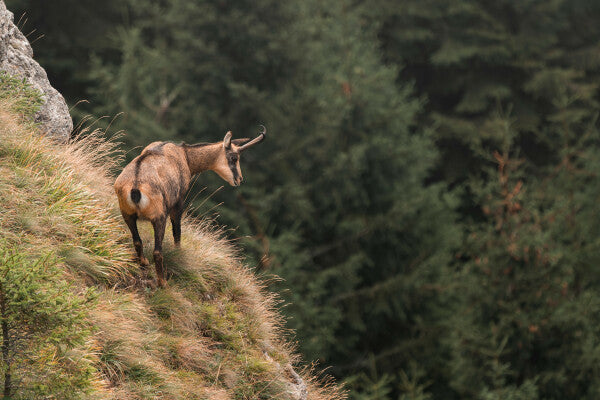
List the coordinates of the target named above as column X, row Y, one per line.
column 153, row 185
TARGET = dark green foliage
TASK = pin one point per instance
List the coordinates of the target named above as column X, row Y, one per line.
column 358, row 237
column 191, row 71
column 473, row 59
column 512, row 95
column 528, row 319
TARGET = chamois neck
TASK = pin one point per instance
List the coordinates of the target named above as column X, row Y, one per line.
column 202, row 157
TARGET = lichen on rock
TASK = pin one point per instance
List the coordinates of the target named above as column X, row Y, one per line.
column 16, row 58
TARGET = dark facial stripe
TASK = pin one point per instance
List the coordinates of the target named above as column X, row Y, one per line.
column 233, row 167
column 232, row 162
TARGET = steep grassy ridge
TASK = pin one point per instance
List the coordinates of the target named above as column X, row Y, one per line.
column 212, row 334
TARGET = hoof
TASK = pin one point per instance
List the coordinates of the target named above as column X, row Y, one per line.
column 162, row 283
column 144, row 262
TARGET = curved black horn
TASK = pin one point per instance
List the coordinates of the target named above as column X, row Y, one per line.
column 256, row 140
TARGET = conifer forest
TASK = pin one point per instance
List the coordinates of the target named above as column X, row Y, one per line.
column 426, row 203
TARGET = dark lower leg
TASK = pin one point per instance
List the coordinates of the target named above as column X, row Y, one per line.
column 160, row 268
column 131, row 221
column 176, row 225
column 159, row 234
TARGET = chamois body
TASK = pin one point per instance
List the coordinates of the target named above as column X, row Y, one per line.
column 160, row 174
column 153, row 186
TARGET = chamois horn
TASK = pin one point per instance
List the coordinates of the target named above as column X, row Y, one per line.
column 256, row 140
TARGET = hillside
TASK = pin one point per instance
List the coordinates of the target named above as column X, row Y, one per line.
column 214, row 333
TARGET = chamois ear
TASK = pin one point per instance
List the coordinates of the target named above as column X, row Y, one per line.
column 227, row 140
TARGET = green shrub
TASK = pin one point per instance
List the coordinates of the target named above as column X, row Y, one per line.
column 43, row 328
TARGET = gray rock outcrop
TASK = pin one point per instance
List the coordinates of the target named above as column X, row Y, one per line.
column 16, row 58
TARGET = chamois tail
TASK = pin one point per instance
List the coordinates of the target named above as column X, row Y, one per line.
column 135, row 195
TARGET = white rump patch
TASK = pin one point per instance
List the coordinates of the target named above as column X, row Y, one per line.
column 143, row 201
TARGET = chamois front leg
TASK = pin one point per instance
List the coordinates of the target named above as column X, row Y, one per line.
column 131, row 221
column 159, row 234
column 176, row 223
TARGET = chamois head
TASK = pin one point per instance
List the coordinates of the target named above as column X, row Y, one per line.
column 228, row 163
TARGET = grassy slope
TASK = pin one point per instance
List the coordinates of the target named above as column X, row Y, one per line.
column 212, row 334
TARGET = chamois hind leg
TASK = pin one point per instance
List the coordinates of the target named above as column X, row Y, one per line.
column 159, row 234
column 131, row 221
column 176, row 224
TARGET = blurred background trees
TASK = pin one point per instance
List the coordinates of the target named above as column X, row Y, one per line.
column 428, row 191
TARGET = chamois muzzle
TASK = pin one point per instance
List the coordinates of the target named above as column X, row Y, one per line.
column 254, row 141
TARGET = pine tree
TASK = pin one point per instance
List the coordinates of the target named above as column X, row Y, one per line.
column 357, row 235
column 527, row 324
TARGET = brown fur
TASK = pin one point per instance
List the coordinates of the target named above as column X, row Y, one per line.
column 162, row 174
